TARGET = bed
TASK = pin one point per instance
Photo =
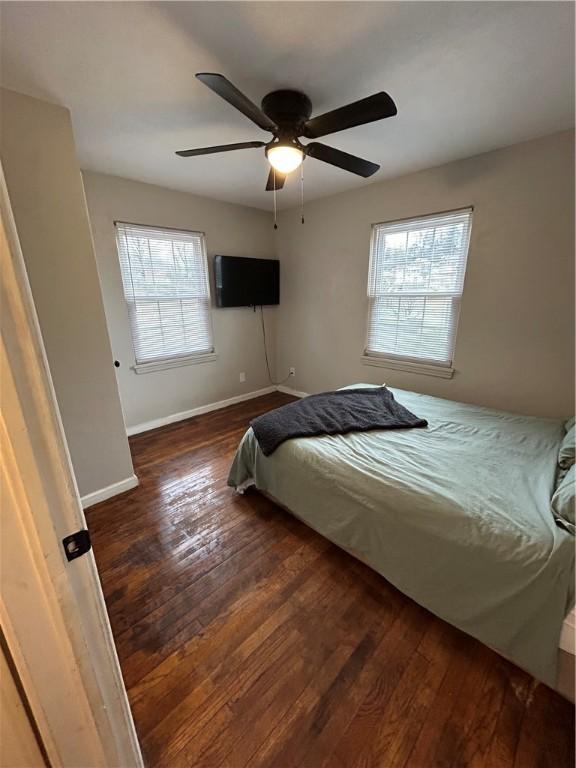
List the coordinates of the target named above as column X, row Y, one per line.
column 456, row 515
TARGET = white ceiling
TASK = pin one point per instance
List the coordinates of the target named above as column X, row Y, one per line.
column 467, row 77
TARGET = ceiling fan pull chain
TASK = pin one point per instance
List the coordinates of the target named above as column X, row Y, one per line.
column 275, row 225
column 302, row 191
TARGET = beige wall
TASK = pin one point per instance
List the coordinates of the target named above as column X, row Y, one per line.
column 45, row 188
column 230, row 229
column 515, row 345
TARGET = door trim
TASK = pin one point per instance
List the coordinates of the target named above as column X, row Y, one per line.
column 52, row 612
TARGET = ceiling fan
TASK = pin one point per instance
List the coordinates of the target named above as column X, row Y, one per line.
column 286, row 114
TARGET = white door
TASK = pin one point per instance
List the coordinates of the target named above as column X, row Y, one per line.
column 19, row 746
column 52, row 611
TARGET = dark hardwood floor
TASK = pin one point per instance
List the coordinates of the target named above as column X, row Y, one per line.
column 248, row 640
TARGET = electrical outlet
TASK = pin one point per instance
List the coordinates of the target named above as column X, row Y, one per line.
column 242, row 377
column 292, row 371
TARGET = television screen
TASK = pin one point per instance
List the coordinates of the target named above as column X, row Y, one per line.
column 244, row 282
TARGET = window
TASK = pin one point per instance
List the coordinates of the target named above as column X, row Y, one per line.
column 415, row 283
column 166, row 286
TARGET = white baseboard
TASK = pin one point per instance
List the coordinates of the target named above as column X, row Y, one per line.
column 289, row 391
column 109, row 491
column 132, row 482
column 173, row 417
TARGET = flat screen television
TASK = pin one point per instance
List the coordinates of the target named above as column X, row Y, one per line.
column 244, row 282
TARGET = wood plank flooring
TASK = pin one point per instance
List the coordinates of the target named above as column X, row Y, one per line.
column 247, row 640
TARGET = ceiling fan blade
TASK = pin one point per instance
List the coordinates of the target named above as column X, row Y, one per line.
column 367, row 110
column 220, row 148
column 341, row 159
column 280, row 179
column 226, row 90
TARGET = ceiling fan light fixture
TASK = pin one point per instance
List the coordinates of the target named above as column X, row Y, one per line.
column 284, row 158
column 286, row 115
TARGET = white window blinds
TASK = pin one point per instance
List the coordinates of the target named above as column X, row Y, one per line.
column 165, row 278
column 414, row 287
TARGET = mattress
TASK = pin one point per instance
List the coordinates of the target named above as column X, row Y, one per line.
column 456, row 515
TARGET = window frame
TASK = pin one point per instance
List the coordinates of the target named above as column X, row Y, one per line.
column 174, row 361
column 408, row 363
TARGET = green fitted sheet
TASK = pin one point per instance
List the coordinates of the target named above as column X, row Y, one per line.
column 456, row 515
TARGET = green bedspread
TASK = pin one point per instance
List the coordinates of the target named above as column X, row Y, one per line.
column 456, row 515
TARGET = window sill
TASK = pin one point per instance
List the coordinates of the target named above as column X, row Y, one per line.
column 443, row 372
column 175, row 362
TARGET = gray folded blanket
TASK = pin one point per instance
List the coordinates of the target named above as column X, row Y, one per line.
column 333, row 413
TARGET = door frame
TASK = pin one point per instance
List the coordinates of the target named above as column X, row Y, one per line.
column 52, row 612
